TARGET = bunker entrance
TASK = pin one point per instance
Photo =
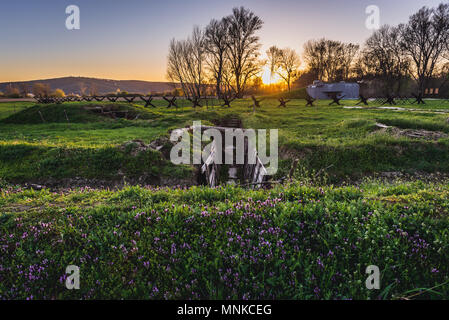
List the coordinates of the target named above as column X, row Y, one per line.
column 234, row 159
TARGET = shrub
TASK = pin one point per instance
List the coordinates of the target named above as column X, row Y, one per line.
column 58, row 93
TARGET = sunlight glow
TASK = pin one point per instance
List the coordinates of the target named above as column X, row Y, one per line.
column 268, row 78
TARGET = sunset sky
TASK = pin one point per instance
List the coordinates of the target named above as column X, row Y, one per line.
column 129, row 39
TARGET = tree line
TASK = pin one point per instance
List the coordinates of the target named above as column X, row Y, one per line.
column 225, row 53
column 418, row 49
column 224, row 58
column 22, row 91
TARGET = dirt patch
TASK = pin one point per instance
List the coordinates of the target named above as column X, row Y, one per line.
column 411, row 133
column 134, row 147
column 163, row 145
column 438, row 111
column 286, row 153
column 113, row 184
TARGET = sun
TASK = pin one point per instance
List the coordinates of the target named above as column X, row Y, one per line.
column 268, row 78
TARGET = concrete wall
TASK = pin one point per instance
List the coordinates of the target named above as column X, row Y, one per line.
column 318, row 89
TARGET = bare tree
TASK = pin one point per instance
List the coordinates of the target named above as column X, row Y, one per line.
column 216, row 46
column 274, row 56
column 314, row 56
column 93, row 91
column 288, row 63
column 186, row 60
column 330, row 60
column 424, row 39
column 23, row 88
column 243, row 47
column 384, row 58
column 349, row 52
column 41, row 89
column 446, row 52
column 82, row 89
column 12, row 91
column 333, row 62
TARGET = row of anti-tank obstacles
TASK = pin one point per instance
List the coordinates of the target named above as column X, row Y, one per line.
column 382, row 100
column 196, row 102
column 226, row 101
column 388, row 99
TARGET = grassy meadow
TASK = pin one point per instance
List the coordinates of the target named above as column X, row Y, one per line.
column 343, row 144
column 362, row 195
column 291, row 242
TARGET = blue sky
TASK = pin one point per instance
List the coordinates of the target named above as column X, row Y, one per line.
column 129, row 39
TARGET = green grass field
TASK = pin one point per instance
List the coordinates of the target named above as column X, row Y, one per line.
column 345, row 142
column 291, row 242
column 310, row 239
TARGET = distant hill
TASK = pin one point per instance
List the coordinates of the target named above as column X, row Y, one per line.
column 79, row 85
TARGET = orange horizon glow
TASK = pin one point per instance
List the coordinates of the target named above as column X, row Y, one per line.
column 119, row 41
column 123, row 73
column 93, row 76
column 269, row 78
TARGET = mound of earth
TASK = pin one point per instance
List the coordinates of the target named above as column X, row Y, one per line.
column 116, row 111
column 136, row 146
column 77, row 113
column 411, row 133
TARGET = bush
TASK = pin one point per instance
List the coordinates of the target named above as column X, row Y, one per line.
column 13, row 95
column 58, row 93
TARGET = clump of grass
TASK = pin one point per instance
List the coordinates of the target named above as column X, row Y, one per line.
column 107, row 163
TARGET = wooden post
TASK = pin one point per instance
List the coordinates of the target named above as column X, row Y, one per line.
column 42, row 117
column 283, row 102
column 256, row 103
column 292, row 169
